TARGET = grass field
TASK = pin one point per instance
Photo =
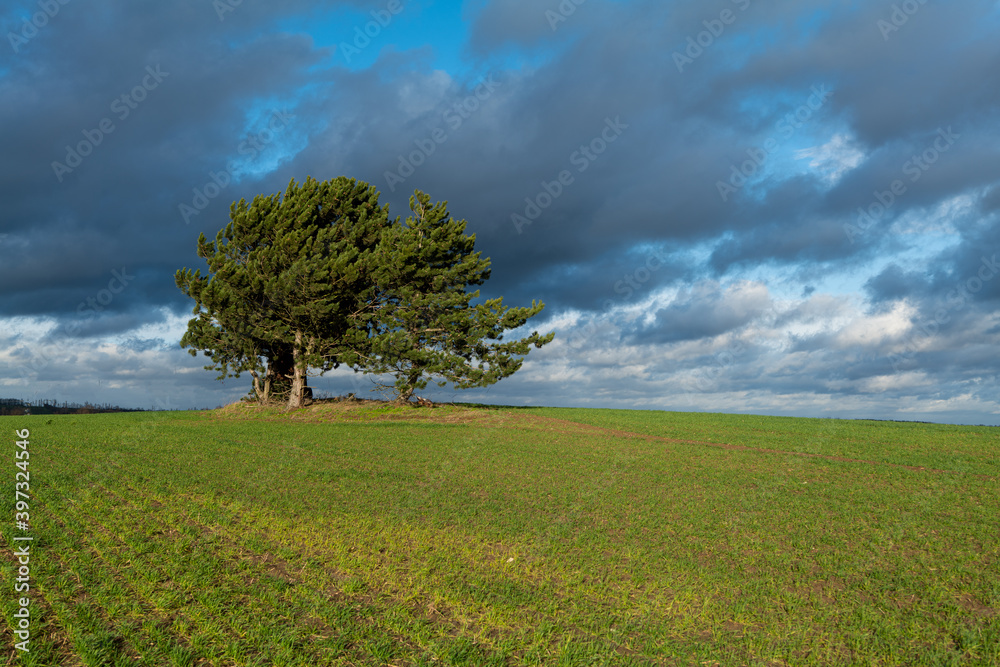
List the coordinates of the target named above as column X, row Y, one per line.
column 366, row 535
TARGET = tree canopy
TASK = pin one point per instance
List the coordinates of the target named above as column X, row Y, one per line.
column 321, row 277
column 285, row 276
column 424, row 322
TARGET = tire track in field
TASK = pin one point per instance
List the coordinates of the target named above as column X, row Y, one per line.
column 52, row 630
column 191, row 599
column 573, row 428
column 166, row 639
column 435, row 612
column 137, row 557
column 268, row 564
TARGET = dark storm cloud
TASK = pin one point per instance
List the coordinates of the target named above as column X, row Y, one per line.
column 971, row 268
column 154, row 96
column 657, row 182
column 551, row 108
column 690, row 147
column 990, row 201
column 508, row 22
column 894, row 283
column 965, row 276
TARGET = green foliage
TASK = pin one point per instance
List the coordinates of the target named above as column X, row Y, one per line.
column 320, row 277
column 286, row 276
column 424, row 322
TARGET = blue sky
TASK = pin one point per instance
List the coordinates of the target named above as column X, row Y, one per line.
column 670, row 281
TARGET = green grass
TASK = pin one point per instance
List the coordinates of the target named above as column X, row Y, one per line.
column 461, row 536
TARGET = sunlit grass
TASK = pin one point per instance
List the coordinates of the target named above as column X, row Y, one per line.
column 365, row 534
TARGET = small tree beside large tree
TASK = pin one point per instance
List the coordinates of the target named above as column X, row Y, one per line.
column 424, row 323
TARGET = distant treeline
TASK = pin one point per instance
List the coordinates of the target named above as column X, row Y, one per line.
column 43, row 406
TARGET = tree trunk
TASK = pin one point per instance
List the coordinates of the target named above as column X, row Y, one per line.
column 278, row 376
column 296, row 399
column 406, row 392
column 261, row 390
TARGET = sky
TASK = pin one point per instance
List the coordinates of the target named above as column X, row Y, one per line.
column 784, row 207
